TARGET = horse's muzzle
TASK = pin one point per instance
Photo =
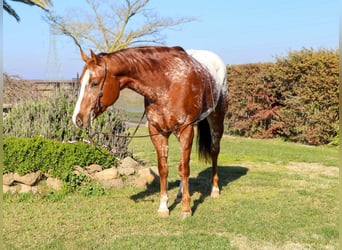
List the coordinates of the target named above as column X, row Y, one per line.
column 78, row 122
column 84, row 121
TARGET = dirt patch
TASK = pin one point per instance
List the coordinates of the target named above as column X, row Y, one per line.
column 313, row 169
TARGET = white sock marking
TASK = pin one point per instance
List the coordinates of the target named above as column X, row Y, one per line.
column 163, row 203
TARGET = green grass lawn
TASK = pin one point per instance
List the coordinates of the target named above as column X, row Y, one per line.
column 275, row 195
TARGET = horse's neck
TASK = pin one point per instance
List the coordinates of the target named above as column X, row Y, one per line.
column 140, row 83
column 143, row 89
column 139, row 86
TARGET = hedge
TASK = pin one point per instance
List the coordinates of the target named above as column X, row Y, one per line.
column 25, row 155
column 296, row 98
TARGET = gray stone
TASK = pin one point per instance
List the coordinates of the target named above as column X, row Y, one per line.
column 28, row 179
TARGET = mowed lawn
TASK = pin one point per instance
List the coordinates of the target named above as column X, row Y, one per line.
column 275, row 195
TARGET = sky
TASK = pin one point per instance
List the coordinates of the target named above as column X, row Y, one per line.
column 239, row 31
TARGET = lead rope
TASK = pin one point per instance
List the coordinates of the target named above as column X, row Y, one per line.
column 136, row 129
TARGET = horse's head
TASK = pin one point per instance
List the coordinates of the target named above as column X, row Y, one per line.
column 99, row 89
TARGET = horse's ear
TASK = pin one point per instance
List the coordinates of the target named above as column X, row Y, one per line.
column 85, row 58
column 93, row 56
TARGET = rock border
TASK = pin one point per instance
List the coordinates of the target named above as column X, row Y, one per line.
column 128, row 173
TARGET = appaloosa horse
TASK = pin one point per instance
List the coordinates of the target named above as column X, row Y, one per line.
column 179, row 92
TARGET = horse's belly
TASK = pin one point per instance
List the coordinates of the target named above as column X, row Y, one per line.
column 170, row 117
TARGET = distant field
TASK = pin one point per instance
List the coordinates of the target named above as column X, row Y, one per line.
column 132, row 103
column 275, row 195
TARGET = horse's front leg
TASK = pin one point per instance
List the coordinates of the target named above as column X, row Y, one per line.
column 160, row 142
column 185, row 138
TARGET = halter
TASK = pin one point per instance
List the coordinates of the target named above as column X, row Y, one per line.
column 97, row 105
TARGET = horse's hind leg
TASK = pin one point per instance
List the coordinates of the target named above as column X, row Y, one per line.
column 215, row 150
column 215, row 190
column 185, row 137
column 216, row 123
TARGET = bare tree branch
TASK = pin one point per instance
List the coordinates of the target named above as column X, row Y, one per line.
column 44, row 4
column 108, row 28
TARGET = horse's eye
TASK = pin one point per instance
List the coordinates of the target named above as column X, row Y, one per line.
column 94, row 84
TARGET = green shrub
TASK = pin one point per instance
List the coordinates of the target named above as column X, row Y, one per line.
column 51, row 118
column 253, row 101
column 308, row 83
column 25, row 155
column 295, row 98
column 335, row 141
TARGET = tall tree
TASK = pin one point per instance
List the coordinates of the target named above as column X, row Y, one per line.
column 44, row 4
column 110, row 27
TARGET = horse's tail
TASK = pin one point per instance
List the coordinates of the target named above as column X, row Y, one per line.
column 204, row 140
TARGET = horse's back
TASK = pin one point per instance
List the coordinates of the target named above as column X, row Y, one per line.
column 214, row 64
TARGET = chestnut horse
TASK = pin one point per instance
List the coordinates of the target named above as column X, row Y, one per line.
column 179, row 92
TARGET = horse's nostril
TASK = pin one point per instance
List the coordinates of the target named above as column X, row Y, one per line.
column 79, row 122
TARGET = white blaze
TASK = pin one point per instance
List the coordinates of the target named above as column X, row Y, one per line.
column 85, row 80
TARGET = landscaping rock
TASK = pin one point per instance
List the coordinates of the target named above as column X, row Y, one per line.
column 79, row 170
column 9, row 189
column 126, row 171
column 140, row 182
column 131, row 170
column 107, row 174
column 28, row 179
column 94, row 168
column 48, row 174
column 129, row 162
column 155, row 171
column 8, row 179
column 24, row 188
column 5, row 188
column 54, row 183
column 34, row 189
column 149, row 174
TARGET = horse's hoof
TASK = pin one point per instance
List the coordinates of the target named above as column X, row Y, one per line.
column 215, row 194
column 184, row 215
column 163, row 213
